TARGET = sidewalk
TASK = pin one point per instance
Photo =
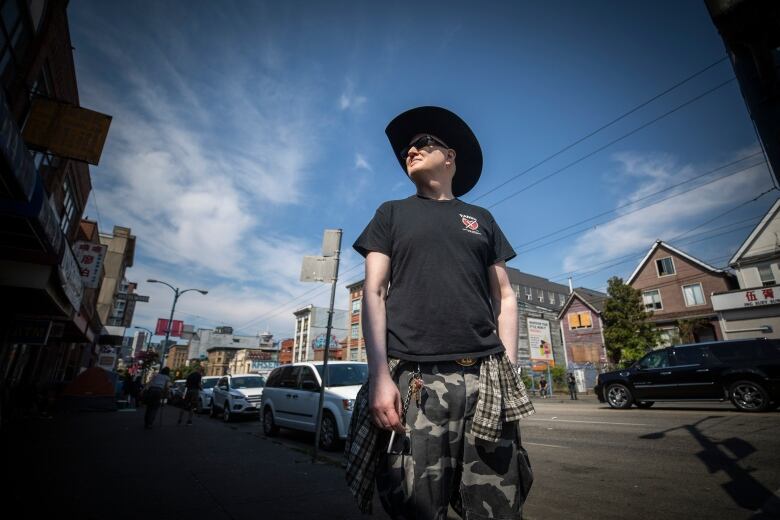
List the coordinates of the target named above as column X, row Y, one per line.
column 106, row 465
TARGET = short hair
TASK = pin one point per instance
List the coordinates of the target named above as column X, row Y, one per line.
column 165, row 371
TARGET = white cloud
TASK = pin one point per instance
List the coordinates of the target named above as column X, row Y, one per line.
column 349, row 100
column 667, row 219
column 361, row 163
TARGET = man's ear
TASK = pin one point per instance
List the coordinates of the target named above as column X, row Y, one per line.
column 450, row 155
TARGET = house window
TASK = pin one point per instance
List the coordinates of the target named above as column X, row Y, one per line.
column 541, row 295
column 665, row 266
column 68, row 205
column 580, row 320
column 551, row 296
column 355, row 306
column 354, row 333
column 694, row 295
column 15, row 36
column 767, row 277
column 528, row 294
column 561, row 299
column 652, row 300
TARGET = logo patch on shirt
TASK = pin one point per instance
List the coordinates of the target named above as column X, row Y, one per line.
column 471, row 224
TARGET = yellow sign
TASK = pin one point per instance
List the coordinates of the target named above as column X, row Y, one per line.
column 66, row 130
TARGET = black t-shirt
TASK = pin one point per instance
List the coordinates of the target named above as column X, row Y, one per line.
column 193, row 381
column 438, row 303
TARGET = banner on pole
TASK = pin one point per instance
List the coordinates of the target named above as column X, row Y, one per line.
column 177, row 327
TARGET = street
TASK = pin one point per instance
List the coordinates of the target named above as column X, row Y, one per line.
column 674, row 461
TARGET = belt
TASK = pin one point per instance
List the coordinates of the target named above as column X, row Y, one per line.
column 467, row 361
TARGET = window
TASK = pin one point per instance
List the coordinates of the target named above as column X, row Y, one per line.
column 68, row 205
column 528, row 294
column 541, row 295
column 307, row 374
column 580, row 320
column 690, row 356
column 355, row 333
column 652, row 300
column 561, row 299
column 665, row 266
column 551, row 297
column 15, row 36
column 355, row 306
column 767, row 277
column 693, row 294
column 656, row 359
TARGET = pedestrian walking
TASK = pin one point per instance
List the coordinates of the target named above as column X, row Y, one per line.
column 572, row 386
column 438, row 421
column 543, row 387
column 135, row 391
column 191, row 394
column 155, row 391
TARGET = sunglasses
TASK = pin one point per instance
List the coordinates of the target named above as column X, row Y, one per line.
column 422, row 142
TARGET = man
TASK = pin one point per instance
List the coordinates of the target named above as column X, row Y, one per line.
column 543, row 387
column 154, row 393
column 191, row 394
column 572, row 386
column 440, row 325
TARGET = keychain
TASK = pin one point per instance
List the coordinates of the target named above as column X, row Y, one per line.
column 402, row 445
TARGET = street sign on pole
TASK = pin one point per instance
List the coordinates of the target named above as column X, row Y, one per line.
column 324, row 269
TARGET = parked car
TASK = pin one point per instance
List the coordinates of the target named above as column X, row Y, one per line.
column 237, row 395
column 747, row 372
column 176, row 392
column 291, row 398
column 206, row 393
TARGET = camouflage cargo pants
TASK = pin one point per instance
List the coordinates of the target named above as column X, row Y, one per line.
column 448, row 465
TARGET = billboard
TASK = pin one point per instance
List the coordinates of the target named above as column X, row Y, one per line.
column 177, row 327
column 66, row 130
column 540, row 342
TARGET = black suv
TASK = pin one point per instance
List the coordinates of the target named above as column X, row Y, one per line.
column 745, row 371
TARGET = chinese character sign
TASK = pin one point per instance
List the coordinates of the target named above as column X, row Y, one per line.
column 90, row 258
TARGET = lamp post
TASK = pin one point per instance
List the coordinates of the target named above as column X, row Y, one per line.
column 176, row 294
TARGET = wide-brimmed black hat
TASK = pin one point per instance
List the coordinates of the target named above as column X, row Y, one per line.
column 448, row 127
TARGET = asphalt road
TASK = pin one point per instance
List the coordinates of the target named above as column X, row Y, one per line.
column 680, row 460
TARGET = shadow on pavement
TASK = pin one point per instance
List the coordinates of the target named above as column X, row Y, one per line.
column 725, row 456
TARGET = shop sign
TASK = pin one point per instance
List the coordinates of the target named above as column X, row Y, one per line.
column 90, row 258
column 30, row 332
column 70, row 275
column 747, row 298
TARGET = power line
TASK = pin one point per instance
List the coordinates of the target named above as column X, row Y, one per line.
column 610, row 143
column 603, row 127
column 636, row 210
column 542, row 237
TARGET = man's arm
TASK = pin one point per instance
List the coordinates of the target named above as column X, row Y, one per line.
column 384, row 398
column 505, row 308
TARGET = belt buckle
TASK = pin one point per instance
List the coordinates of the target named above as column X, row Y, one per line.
column 466, row 361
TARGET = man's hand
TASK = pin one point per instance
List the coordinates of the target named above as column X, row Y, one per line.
column 385, row 404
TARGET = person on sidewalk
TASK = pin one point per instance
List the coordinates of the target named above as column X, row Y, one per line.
column 543, row 387
column 191, row 394
column 440, row 324
column 155, row 391
column 572, row 386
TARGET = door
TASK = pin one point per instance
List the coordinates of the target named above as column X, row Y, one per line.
column 221, row 392
column 308, row 397
column 693, row 373
column 286, row 403
column 652, row 377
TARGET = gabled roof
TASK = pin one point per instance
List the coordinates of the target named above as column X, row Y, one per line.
column 594, row 300
column 671, row 249
column 770, row 215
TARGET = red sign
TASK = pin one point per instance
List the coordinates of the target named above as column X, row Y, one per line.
column 162, row 326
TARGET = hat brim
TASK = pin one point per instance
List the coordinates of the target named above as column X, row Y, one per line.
column 448, row 127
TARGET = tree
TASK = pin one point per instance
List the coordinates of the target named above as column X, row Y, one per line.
column 627, row 332
column 688, row 328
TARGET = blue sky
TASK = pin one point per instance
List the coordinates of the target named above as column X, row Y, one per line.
column 242, row 129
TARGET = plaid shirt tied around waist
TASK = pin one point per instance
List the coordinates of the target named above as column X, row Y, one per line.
column 502, row 398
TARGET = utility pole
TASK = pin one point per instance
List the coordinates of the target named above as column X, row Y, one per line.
column 324, row 268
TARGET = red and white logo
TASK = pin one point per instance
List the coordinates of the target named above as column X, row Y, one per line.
column 471, row 224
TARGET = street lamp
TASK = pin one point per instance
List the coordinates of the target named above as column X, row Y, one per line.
column 176, row 294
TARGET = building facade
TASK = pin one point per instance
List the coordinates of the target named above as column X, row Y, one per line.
column 753, row 310
column 676, row 286
column 286, row 351
column 311, row 324
column 47, row 326
column 177, row 357
column 583, row 329
column 356, row 345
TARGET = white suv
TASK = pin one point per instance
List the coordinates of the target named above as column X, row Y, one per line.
column 236, row 395
column 292, row 394
column 206, row 394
